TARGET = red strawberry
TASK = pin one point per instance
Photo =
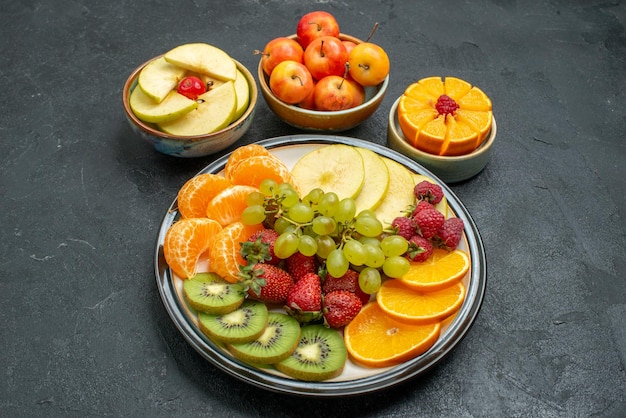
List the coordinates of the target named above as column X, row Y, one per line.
column 425, row 190
column 261, row 247
column 349, row 282
column 450, row 234
column 299, row 264
column 304, row 301
column 429, row 221
column 267, row 283
column 420, row 249
column 340, row 308
column 403, row 226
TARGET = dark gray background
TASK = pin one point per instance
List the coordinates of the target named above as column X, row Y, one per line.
column 82, row 327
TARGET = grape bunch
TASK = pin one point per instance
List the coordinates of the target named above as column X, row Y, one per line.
column 323, row 225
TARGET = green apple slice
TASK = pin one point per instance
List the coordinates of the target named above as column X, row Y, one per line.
column 215, row 111
column 205, row 59
column 376, row 181
column 334, row 168
column 158, row 78
column 399, row 195
column 242, row 90
column 442, row 206
column 172, row 107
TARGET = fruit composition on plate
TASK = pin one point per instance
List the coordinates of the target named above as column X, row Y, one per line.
column 317, row 70
column 193, row 89
column 345, row 257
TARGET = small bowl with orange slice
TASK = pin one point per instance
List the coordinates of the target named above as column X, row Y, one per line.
column 446, row 125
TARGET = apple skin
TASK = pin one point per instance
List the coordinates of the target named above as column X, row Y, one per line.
column 278, row 50
column 358, row 92
column 314, row 25
column 349, row 45
column 369, row 64
column 309, row 102
column 333, row 93
column 326, row 56
column 291, row 82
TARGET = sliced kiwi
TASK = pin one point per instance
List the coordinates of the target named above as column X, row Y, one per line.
column 244, row 324
column 208, row 292
column 279, row 339
column 320, row 355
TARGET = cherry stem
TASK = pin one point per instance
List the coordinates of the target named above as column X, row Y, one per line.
column 372, row 32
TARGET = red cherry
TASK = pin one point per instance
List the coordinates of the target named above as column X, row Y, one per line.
column 191, row 87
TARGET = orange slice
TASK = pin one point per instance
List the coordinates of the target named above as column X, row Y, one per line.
column 185, row 241
column 224, row 255
column 241, row 153
column 376, row 339
column 456, row 88
column 226, row 207
column 433, row 85
column 197, row 192
column 251, row 171
column 414, row 307
column 440, row 270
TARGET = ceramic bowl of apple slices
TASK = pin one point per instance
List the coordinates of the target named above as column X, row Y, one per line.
column 323, row 121
column 182, row 127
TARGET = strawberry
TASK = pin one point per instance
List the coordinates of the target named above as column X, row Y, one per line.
column 299, row 264
column 267, row 283
column 349, row 282
column 425, row 190
column 450, row 233
column 304, row 301
column 420, row 248
column 260, row 247
column 428, row 220
column 340, row 308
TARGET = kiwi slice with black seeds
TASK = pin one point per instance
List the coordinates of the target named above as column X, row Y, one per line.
column 210, row 293
column 244, row 324
column 321, row 355
column 279, row 339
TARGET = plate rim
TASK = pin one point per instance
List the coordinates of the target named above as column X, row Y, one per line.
column 456, row 332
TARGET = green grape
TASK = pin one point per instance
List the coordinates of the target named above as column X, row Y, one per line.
column 355, row 252
column 336, row 263
column 325, row 244
column 328, row 204
column 281, row 225
column 301, row 213
column 396, row 266
column 346, row 210
column 253, row 215
column 289, row 197
column 369, row 280
column 369, row 241
column 267, row 187
column 323, row 225
column 255, row 198
column 367, row 212
column 286, row 244
column 307, row 245
column 368, row 226
column 375, row 256
column 313, row 197
column 394, row 245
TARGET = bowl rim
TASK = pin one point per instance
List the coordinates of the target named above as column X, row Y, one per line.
column 191, row 138
column 380, row 92
column 483, row 148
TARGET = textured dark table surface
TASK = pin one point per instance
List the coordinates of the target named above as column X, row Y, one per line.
column 83, row 330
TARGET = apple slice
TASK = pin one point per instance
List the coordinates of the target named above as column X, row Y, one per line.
column 173, row 106
column 376, row 181
column 205, row 59
column 399, row 195
column 158, row 78
column 215, row 111
column 442, row 206
column 334, row 168
column 242, row 90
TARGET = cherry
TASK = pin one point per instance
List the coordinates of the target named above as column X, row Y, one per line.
column 191, row 87
column 446, row 104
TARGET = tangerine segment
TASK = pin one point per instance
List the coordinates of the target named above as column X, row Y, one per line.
column 456, row 88
column 478, row 120
column 226, row 207
column 434, row 85
column 376, row 339
column 414, row 307
column 224, row 255
column 253, row 170
column 420, row 93
column 432, row 137
column 185, row 241
column 442, row 269
column 197, row 192
column 460, row 137
column 241, row 153
column 475, row 99
column 413, row 122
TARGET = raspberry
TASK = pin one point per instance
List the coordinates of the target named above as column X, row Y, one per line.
column 446, row 105
column 450, row 233
column 421, row 205
column 403, row 226
column 420, row 249
column 429, row 221
column 425, row 190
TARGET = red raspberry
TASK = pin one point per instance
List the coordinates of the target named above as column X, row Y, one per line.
column 425, row 190
column 421, row 205
column 446, row 105
column 450, row 233
column 420, row 249
column 299, row 264
column 403, row 226
column 428, row 222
